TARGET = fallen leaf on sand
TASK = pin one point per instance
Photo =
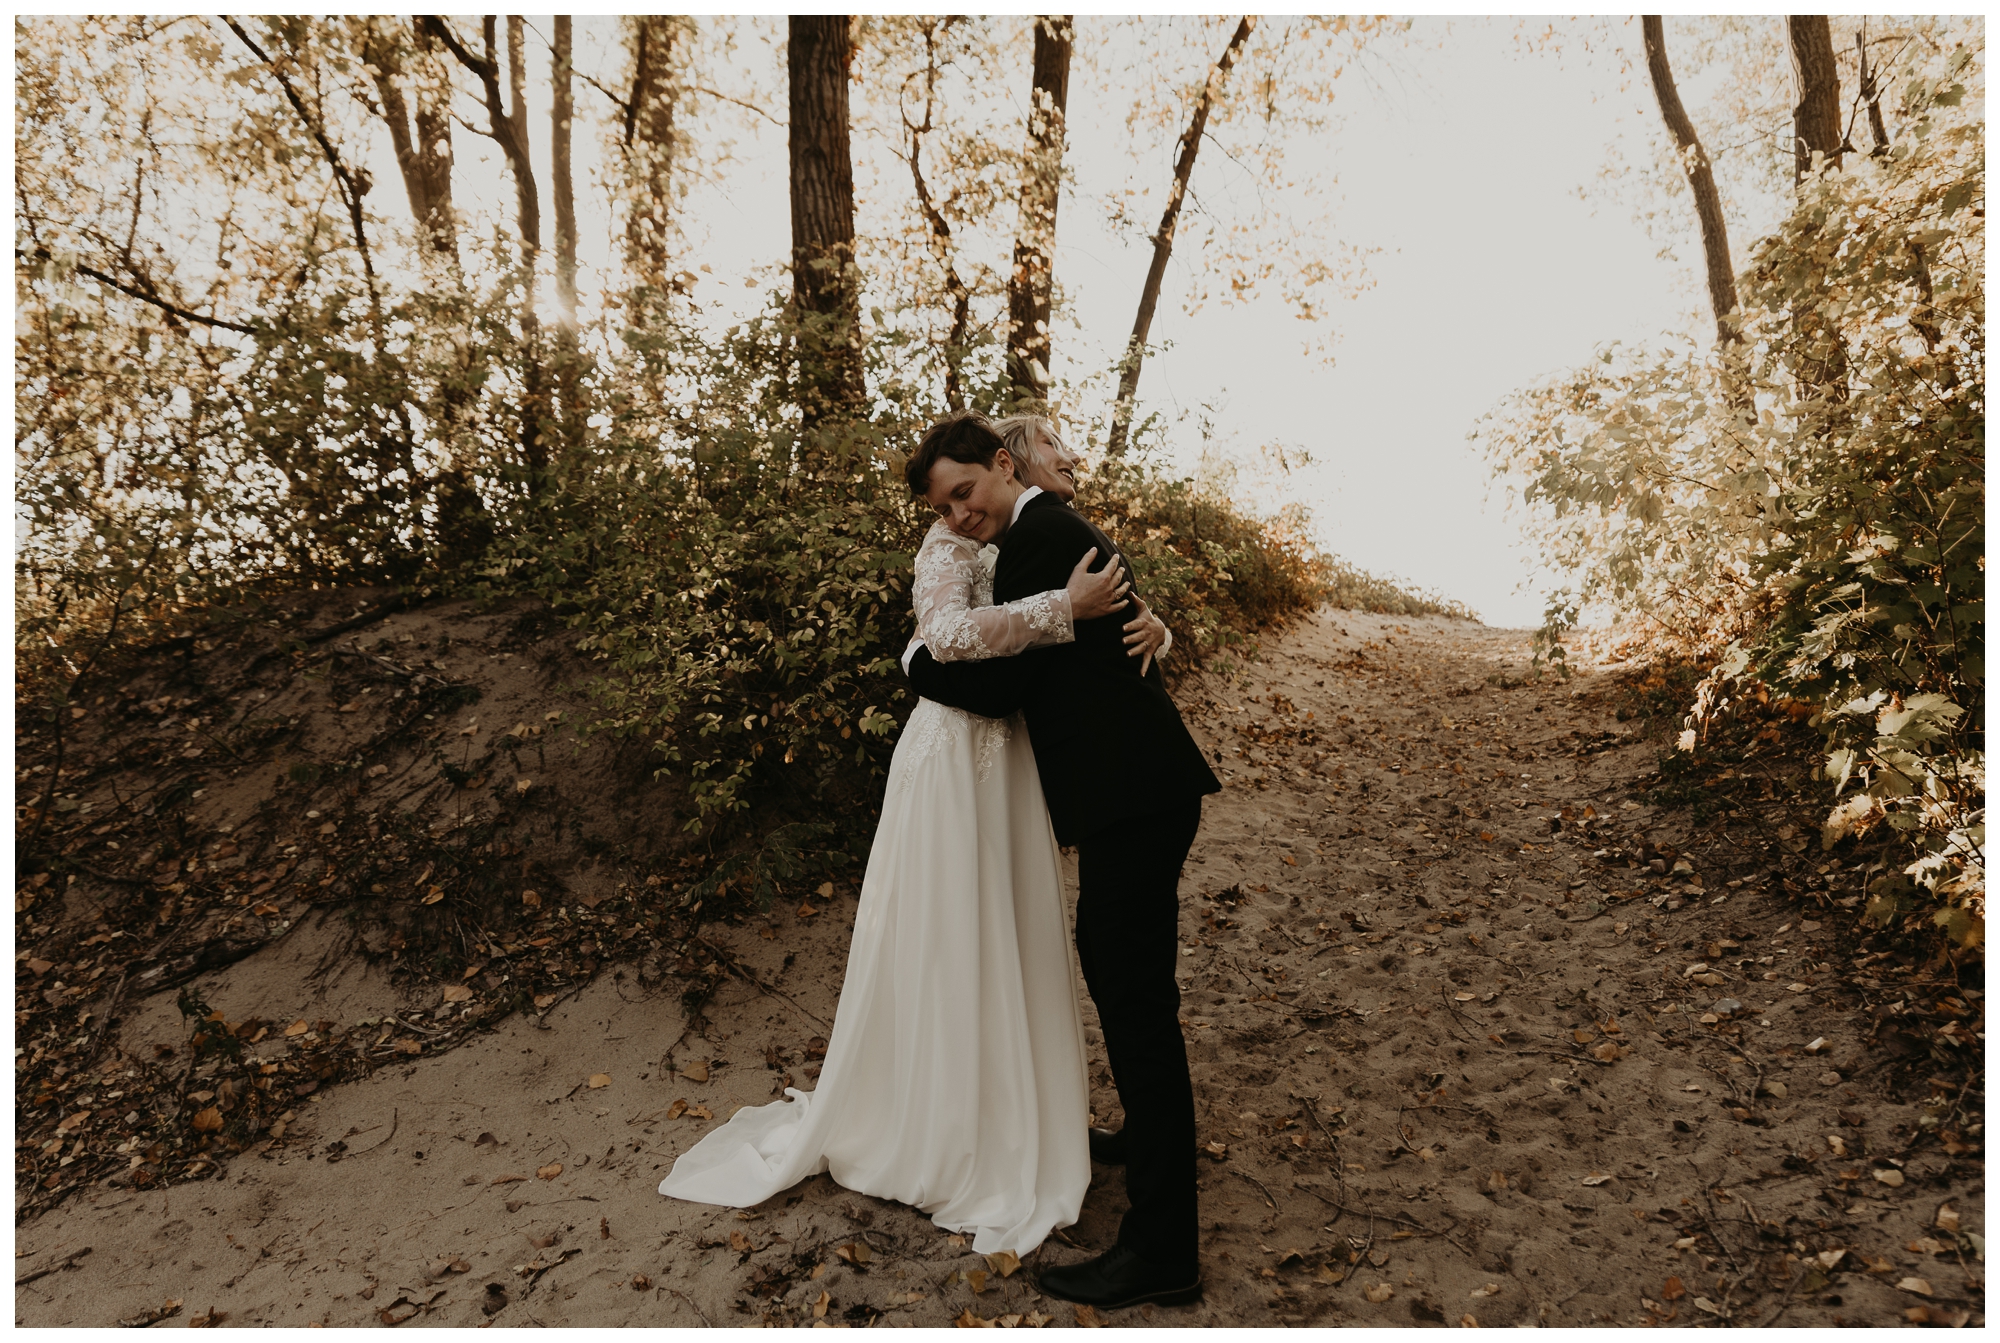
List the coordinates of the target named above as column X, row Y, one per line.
column 509, row 1179
column 1927, row 1245
column 967, row 1320
column 1006, row 1263
column 740, row 1243
column 521, row 786
column 1329, row 1275
column 677, row 1109
column 640, row 1282
column 599, row 1080
column 699, row 1112
column 432, row 896
column 1463, row 997
column 262, row 909
column 1608, row 1052
column 975, row 1278
column 458, row 993
column 1590, row 1181
column 485, row 1138
column 1380, row 1292
column 1892, row 1178
column 855, row 1253
column 806, row 911
column 544, row 1000
column 1216, row 1151
column 1490, row 1289
column 1086, row 1318
column 140, row 1321
column 1467, row 1322
column 297, row 1028
column 1674, row 1290
column 1828, row 1258
column 696, row 1071
column 819, row 1306
column 550, row 1171
column 205, row 1121
column 208, row 1321
column 1947, row 1218
column 1918, row 1285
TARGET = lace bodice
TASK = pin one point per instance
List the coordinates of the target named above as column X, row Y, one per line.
column 956, row 617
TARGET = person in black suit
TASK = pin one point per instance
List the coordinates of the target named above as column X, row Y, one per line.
column 1124, row 782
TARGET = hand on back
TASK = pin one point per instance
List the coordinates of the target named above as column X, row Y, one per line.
column 1097, row 594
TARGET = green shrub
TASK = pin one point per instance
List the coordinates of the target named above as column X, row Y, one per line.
column 1810, row 505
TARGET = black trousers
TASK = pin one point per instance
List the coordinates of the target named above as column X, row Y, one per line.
column 1127, row 939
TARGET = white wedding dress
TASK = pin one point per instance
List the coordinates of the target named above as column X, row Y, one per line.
column 954, row 1079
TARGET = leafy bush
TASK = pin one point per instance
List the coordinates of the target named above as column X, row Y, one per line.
column 1809, row 506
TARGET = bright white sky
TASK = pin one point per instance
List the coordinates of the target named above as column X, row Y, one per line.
column 1468, row 159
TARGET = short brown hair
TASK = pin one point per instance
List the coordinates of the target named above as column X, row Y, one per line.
column 963, row 436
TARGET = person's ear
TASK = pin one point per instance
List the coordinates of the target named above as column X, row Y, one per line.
column 1003, row 461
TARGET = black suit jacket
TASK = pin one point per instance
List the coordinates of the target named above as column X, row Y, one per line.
column 1109, row 743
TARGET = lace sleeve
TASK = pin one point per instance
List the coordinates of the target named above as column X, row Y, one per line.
column 954, row 618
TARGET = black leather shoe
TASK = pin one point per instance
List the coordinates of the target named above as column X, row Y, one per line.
column 1107, row 1148
column 1118, row 1278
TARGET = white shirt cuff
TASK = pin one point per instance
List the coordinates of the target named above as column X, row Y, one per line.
column 909, row 653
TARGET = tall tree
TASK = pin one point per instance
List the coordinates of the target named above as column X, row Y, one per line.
column 562, row 111
column 1700, row 177
column 1821, row 351
column 1871, row 94
column 509, row 131
column 1163, row 239
column 1030, row 289
column 820, row 53
column 424, row 157
column 1816, row 116
column 648, row 140
column 934, row 220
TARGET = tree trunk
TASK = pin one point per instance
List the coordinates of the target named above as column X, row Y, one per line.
column 649, row 145
column 514, row 146
column 1871, row 93
column 433, row 85
column 517, row 76
column 561, row 112
column 1820, row 350
column 940, row 228
column 822, row 182
column 1816, row 118
column 1030, row 290
column 1163, row 241
column 1701, row 180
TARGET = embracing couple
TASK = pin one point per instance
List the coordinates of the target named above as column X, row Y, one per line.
column 954, row 1078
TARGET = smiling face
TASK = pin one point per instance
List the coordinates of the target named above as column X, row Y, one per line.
column 975, row 501
column 1054, row 467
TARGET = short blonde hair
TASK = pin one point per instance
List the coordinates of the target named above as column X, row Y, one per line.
column 1019, row 432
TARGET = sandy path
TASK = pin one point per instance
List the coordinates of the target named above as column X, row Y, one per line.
column 1399, row 985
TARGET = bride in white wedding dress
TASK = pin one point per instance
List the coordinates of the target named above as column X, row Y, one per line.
column 954, row 1079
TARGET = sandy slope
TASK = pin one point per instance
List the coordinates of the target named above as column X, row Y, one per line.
column 1448, row 1064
